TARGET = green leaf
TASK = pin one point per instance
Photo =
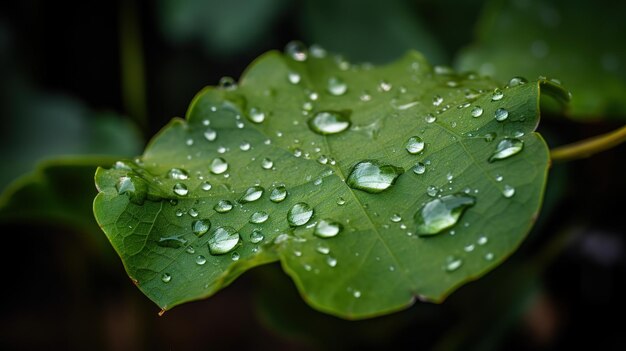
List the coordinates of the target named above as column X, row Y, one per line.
column 569, row 40
column 352, row 251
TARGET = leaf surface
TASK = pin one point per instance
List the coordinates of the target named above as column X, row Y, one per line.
column 263, row 130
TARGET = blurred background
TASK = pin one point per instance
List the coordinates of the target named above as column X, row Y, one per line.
column 83, row 84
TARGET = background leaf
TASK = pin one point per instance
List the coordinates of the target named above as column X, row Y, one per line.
column 238, row 139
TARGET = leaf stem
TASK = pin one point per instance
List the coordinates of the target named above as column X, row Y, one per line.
column 132, row 64
column 588, row 147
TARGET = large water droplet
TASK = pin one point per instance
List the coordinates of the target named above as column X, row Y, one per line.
column 395, row 218
column 223, row 206
column 223, row 240
column 256, row 236
column 278, row 194
column 336, row 86
column 330, row 122
column 256, row 115
column 259, row 217
column 218, row 165
column 200, row 260
column 200, row 226
column 253, row 193
column 372, row 176
column 299, row 214
column 506, row 148
column 414, row 145
column 501, row 114
column 180, row 189
column 327, row 228
column 175, row 241
column 296, row 50
column 441, row 213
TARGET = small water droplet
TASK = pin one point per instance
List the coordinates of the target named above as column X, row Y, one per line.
column 414, row 145
column 190, row 250
column 476, row 111
column 244, row 146
column 489, row 137
column 395, row 218
column 278, row 194
column 331, row 261
column 166, row 277
column 267, row 163
column 293, row 77
column 251, row 194
column 227, row 83
column 323, row 249
column 210, row 134
column 200, row 260
column 193, row 212
column 373, row 176
column 329, row 122
column 223, row 240
column 180, row 189
column 189, row 142
column 336, row 86
column 442, row 213
column 515, row 81
column 469, row 248
column 430, row 118
column 206, row 186
column 296, row 50
column 175, row 241
column 453, row 263
column 327, row 228
column 356, row 294
column 508, row 191
column 259, row 217
column 317, row 51
column 256, row 236
column 506, row 148
column 135, row 188
column 437, row 100
column 501, row 114
column 489, row 256
column 200, row 226
column 482, row 240
column 218, row 165
column 432, row 190
column 179, row 213
column 223, row 206
column 235, row 256
column 341, row 201
column 299, row 214
column 178, row 174
column 419, row 168
column 255, row 115
column 497, row 95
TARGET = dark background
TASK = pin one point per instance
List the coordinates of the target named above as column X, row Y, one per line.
column 63, row 287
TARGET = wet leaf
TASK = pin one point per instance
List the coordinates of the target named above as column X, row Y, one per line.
column 343, row 197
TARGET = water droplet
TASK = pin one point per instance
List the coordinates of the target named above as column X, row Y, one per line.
column 489, row 137
column 508, row 191
column 180, row 189
column 223, row 206
column 499, row 178
column 432, row 190
column 178, row 174
column 175, row 241
column 135, row 188
column 329, row 122
column 253, row 193
column 441, row 213
column 336, row 86
column 515, row 81
column 327, row 228
column 395, row 218
column 476, row 111
column 200, row 260
column 244, row 146
column 331, row 261
column 223, row 240
column 267, row 163
column 259, row 217
column 372, row 176
column 296, row 50
column 166, row 278
column 356, row 294
column 189, row 142
column 256, row 236
column 190, row 250
column 179, row 213
column 414, row 145
column 235, row 256
column 482, row 240
column 317, row 51
column 419, row 168
column 218, row 165
column 430, row 118
column 227, row 83
column 299, row 214
column 278, row 194
column 506, row 148
column 489, row 256
column 437, row 100
column 293, row 77
column 384, row 86
column 497, row 95
column 255, row 115
column 501, row 114
column 341, row 201
column 453, row 263
column 323, row 249
column 210, row 134
column 200, row 226
column 469, row 248
column 193, row 212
